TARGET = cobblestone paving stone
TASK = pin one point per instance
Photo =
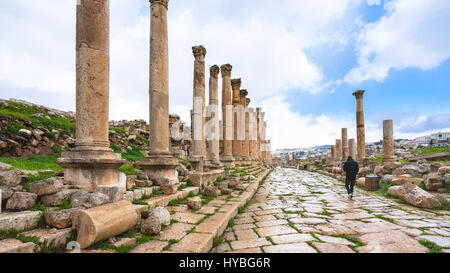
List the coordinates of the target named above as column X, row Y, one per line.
column 303, row 212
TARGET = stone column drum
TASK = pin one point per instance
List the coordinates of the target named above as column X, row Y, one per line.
column 237, row 113
column 351, row 147
column 338, row 151
column 332, row 154
column 345, row 152
column 360, row 128
column 246, row 144
column 253, row 134
column 388, row 142
column 160, row 165
column 213, row 128
column 198, row 109
column 227, row 116
column 92, row 163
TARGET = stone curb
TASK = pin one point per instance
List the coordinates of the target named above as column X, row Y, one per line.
column 215, row 225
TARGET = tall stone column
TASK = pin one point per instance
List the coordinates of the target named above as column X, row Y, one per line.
column 253, row 153
column 360, row 129
column 351, row 147
column 92, row 163
column 332, row 154
column 246, row 143
column 160, row 165
column 258, row 135
column 344, row 136
column 388, row 141
column 227, row 116
column 213, row 130
column 198, row 109
column 338, row 151
column 237, row 115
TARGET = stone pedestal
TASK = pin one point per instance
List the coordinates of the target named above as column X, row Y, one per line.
column 92, row 163
column 388, row 142
column 160, row 165
column 205, row 178
column 360, row 127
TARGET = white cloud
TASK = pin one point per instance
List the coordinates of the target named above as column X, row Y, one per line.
column 373, row 2
column 413, row 34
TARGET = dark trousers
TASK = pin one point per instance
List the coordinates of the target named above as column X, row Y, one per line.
column 349, row 184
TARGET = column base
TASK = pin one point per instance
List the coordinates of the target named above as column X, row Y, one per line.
column 227, row 160
column 90, row 169
column 387, row 160
column 161, row 169
column 214, row 165
column 197, row 163
column 205, row 178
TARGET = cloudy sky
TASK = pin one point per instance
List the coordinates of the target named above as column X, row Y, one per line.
column 300, row 60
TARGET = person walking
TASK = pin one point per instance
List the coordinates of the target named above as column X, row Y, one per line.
column 351, row 169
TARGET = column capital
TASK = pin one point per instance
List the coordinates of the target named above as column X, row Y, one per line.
column 199, row 51
column 359, row 93
column 236, row 83
column 165, row 3
column 226, row 69
column 214, row 71
column 247, row 102
column 243, row 93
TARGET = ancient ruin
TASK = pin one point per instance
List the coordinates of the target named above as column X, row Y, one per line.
column 77, row 182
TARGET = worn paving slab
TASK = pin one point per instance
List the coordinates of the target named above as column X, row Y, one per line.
column 299, row 211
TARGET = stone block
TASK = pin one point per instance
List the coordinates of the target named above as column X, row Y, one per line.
column 211, row 191
column 54, row 237
column 16, row 246
column 19, row 220
column 21, row 201
column 46, row 187
column 194, row 202
column 10, row 179
column 60, row 219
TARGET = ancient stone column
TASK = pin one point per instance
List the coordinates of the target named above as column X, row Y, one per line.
column 333, row 154
column 258, row 135
column 198, row 136
column 160, row 165
column 344, row 142
column 388, row 142
column 227, row 116
column 213, row 130
column 360, row 129
column 246, row 143
column 92, row 163
column 338, row 150
column 351, row 147
column 237, row 114
column 253, row 153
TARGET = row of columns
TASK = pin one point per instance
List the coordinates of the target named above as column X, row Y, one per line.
column 92, row 164
column 243, row 127
column 346, row 147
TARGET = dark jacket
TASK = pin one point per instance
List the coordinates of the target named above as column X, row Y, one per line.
column 351, row 168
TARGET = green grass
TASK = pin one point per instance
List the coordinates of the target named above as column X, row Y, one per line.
column 216, row 241
column 383, row 190
column 434, row 150
column 378, row 160
column 65, row 205
column 432, row 247
column 128, row 169
column 33, row 178
column 33, row 163
column 23, row 112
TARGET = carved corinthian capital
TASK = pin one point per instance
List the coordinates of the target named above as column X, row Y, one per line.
column 247, row 102
column 244, row 93
column 226, row 70
column 359, row 93
column 165, row 3
column 214, row 71
column 199, row 51
column 236, row 83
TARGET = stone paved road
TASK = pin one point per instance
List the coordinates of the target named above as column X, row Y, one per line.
column 303, row 212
